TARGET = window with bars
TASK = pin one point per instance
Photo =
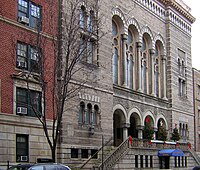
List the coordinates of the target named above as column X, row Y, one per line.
column 29, row 14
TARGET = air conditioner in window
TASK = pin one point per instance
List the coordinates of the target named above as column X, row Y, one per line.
column 24, row 158
column 22, row 110
column 21, row 64
column 23, row 20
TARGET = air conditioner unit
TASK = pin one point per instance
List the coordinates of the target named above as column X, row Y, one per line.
column 21, row 64
column 24, row 158
column 24, row 20
column 22, row 110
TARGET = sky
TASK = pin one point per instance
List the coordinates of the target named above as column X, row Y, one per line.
column 195, row 11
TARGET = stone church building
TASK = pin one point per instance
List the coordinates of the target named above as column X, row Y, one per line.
column 139, row 73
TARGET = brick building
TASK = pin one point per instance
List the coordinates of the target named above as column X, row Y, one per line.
column 141, row 76
column 27, row 29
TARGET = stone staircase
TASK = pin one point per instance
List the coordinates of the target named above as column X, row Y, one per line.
column 123, row 156
column 108, row 155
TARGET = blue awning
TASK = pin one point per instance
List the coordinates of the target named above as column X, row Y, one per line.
column 170, row 152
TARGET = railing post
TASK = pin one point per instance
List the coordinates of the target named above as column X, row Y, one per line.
column 102, row 151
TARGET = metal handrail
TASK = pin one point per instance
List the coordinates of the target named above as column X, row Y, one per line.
column 116, row 155
column 96, row 153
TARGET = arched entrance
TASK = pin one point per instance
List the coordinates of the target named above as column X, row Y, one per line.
column 161, row 133
column 118, row 122
column 134, row 122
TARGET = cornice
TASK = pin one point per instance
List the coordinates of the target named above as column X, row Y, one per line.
column 179, row 8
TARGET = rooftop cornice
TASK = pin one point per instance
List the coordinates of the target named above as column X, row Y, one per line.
column 179, row 8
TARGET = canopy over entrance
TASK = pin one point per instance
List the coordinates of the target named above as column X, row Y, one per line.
column 170, row 152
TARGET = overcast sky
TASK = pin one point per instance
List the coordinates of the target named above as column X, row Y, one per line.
column 195, row 4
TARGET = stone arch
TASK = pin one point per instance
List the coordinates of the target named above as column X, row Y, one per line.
column 117, row 12
column 120, row 107
column 119, row 124
column 146, row 30
column 132, row 23
column 158, row 37
column 134, row 110
column 161, row 116
column 148, row 113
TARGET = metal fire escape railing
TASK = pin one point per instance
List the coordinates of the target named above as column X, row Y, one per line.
column 115, row 156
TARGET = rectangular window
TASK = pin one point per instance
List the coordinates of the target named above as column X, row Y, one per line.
column 186, row 161
column 136, row 161
column 94, row 153
column 74, row 153
column 179, row 161
column 175, row 161
column 21, row 148
column 29, row 14
column 28, row 57
column 146, row 161
column 151, row 161
column 27, row 101
column 84, row 153
column 141, row 161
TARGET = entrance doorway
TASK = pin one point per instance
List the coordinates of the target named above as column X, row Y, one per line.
column 118, row 121
column 164, row 162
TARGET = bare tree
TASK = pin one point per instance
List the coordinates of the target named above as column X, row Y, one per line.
column 74, row 40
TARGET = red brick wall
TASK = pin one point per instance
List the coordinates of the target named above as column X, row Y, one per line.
column 10, row 34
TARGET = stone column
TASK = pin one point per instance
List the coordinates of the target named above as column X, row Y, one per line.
column 140, row 129
column 124, row 63
column 154, row 134
column 138, row 69
column 152, row 52
column 164, row 78
column 125, row 127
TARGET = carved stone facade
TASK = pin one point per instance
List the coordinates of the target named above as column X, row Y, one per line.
column 144, row 75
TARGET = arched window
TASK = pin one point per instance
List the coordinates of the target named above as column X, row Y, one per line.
column 157, row 78
column 82, row 17
column 114, row 29
column 81, row 112
column 115, row 57
column 130, row 59
column 115, row 66
column 144, row 65
column 88, row 114
column 180, row 129
column 95, row 115
column 90, row 21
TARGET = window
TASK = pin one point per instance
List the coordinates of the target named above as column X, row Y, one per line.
column 29, row 13
column 182, row 73
column 27, row 101
column 144, row 62
column 130, row 59
column 81, row 112
column 74, row 153
column 21, row 148
column 136, row 161
column 84, row 153
column 115, row 55
column 87, row 41
column 146, row 161
column 27, row 57
column 89, row 115
column 141, row 161
column 94, row 153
